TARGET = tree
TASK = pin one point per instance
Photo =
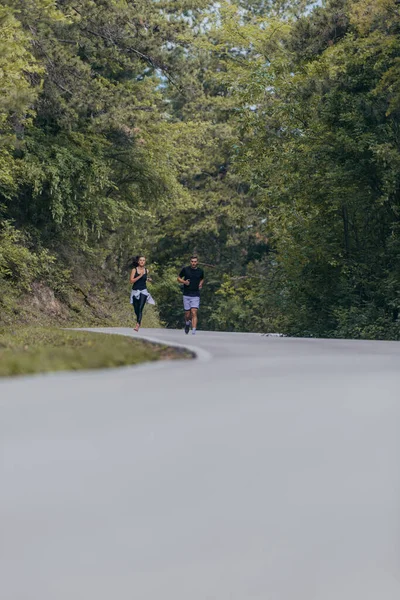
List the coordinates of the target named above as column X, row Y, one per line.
column 19, row 80
column 321, row 147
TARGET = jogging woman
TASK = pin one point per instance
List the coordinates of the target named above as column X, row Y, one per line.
column 139, row 294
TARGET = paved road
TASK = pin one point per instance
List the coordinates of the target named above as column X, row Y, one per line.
column 268, row 469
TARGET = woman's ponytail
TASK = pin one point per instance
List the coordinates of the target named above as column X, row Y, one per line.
column 134, row 262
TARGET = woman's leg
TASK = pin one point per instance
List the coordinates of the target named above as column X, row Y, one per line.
column 142, row 301
column 136, row 304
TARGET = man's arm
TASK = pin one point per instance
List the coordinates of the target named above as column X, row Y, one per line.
column 181, row 278
column 201, row 280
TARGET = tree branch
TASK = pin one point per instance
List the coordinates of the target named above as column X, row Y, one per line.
column 144, row 57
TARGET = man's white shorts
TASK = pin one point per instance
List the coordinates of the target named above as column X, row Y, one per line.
column 191, row 302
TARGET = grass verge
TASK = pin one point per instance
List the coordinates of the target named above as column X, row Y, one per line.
column 25, row 350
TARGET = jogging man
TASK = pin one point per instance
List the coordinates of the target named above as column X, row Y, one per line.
column 192, row 279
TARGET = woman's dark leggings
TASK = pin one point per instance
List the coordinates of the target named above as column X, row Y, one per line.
column 138, row 305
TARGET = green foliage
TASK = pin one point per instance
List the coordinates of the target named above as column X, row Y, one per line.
column 19, row 79
column 17, row 68
column 262, row 135
column 320, row 149
column 19, row 265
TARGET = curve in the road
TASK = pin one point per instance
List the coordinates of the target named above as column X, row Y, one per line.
column 266, row 469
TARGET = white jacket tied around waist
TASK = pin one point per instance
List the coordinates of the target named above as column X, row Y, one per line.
column 136, row 294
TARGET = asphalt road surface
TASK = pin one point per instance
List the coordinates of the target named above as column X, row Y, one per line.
column 268, row 469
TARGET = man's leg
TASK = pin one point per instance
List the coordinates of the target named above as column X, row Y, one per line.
column 194, row 319
column 186, row 306
column 194, row 306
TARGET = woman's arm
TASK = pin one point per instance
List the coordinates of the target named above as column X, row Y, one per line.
column 132, row 278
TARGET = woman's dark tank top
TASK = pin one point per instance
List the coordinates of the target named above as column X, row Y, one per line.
column 140, row 284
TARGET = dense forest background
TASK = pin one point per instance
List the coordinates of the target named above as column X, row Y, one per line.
column 263, row 135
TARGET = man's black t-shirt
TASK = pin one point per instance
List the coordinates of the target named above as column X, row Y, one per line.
column 195, row 276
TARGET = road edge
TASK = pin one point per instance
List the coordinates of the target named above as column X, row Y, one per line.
column 199, row 353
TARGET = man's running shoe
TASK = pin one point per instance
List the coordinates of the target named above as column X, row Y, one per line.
column 187, row 327
column 193, row 331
